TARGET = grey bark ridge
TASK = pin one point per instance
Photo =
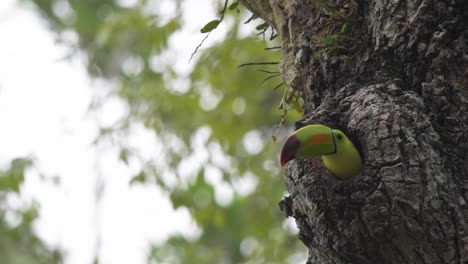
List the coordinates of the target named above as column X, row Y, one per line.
column 401, row 97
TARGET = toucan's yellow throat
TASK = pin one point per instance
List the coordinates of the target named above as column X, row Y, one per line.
column 338, row 153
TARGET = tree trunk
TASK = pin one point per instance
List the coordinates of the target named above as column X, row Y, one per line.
column 393, row 75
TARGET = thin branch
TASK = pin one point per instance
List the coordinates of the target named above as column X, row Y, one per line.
column 199, row 45
column 273, row 35
column 203, row 40
column 273, row 137
column 250, row 19
column 257, row 63
column 270, row 77
column 265, row 71
column 263, row 33
column 275, row 47
column 224, row 10
column 278, row 86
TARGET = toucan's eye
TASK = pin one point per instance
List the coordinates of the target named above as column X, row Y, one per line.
column 339, row 136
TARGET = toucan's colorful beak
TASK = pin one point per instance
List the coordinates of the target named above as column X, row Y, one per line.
column 309, row 141
column 290, row 149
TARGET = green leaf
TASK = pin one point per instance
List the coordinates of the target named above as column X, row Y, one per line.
column 123, row 156
column 233, row 6
column 262, row 26
column 12, row 179
column 139, row 178
column 210, row 26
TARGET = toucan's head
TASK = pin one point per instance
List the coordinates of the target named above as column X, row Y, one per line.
column 311, row 141
column 338, row 153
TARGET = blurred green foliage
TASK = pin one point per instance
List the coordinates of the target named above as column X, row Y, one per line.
column 235, row 110
column 18, row 243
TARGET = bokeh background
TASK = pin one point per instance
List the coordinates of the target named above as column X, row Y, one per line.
column 115, row 148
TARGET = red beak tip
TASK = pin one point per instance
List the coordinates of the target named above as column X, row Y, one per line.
column 289, row 150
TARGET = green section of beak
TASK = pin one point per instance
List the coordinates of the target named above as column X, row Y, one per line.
column 316, row 140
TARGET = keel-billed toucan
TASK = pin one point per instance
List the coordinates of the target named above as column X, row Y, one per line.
column 338, row 153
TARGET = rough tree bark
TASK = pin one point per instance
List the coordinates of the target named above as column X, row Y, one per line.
column 396, row 80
